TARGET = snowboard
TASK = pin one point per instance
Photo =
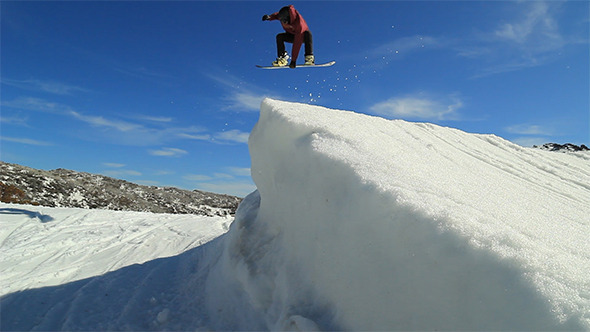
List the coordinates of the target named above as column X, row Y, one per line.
column 327, row 64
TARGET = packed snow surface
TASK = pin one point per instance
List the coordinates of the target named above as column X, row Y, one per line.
column 78, row 269
column 358, row 223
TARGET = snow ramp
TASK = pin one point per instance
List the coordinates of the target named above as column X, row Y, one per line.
column 362, row 223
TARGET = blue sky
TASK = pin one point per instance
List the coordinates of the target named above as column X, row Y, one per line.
column 165, row 93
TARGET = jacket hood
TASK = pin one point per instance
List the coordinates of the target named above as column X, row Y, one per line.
column 288, row 14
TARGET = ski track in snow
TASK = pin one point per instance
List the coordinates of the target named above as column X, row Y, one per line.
column 78, row 243
column 82, row 269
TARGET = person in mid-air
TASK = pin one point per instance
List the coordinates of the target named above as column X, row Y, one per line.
column 296, row 32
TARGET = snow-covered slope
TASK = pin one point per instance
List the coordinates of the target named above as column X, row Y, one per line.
column 78, row 269
column 358, row 223
column 362, row 223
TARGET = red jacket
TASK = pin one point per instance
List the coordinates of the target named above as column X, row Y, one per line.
column 296, row 27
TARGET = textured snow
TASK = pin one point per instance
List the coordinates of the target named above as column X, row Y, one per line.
column 362, row 223
column 358, row 223
column 44, row 246
column 77, row 269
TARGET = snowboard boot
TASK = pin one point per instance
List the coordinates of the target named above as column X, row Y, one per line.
column 281, row 61
column 309, row 60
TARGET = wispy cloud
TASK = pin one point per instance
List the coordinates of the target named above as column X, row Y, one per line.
column 155, row 118
column 235, row 182
column 100, row 121
column 197, row 177
column 199, row 137
column 419, row 106
column 240, row 97
column 246, row 101
column 396, row 50
column 114, row 165
column 530, row 134
column 529, row 141
column 536, row 27
column 121, row 173
column 232, row 136
column 26, row 141
column 529, row 129
column 113, row 130
column 238, row 188
column 36, row 104
column 168, row 152
column 44, row 86
column 239, row 171
column 531, row 38
column 14, row 120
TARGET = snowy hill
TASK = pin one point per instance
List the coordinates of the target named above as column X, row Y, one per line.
column 358, row 223
column 66, row 188
column 362, row 223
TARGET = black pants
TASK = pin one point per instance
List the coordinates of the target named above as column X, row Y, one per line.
column 289, row 38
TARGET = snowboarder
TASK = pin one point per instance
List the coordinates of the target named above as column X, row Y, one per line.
column 296, row 32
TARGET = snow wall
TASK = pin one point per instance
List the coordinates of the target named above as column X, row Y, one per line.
column 362, row 223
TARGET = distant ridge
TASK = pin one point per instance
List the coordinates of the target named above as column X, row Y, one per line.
column 66, row 188
column 567, row 147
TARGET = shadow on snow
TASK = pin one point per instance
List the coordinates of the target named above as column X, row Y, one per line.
column 165, row 293
column 32, row 214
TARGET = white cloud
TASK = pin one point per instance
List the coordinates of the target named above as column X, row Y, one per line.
column 201, row 137
column 14, row 120
column 44, row 86
column 201, row 177
column 531, row 134
column 240, row 188
column 155, row 118
column 529, row 141
column 233, row 136
column 246, row 101
column 419, row 107
column 224, row 183
column 241, row 98
column 36, row 104
column 223, row 176
column 26, row 141
column 239, row 171
column 197, row 177
column 168, row 152
column 111, row 129
column 121, row 173
column 100, row 121
column 536, row 26
column 528, row 129
column 532, row 38
column 113, row 165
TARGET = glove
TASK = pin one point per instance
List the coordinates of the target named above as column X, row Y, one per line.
column 265, row 17
column 292, row 64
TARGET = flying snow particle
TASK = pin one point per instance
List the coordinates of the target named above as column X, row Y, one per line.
column 163, row 316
